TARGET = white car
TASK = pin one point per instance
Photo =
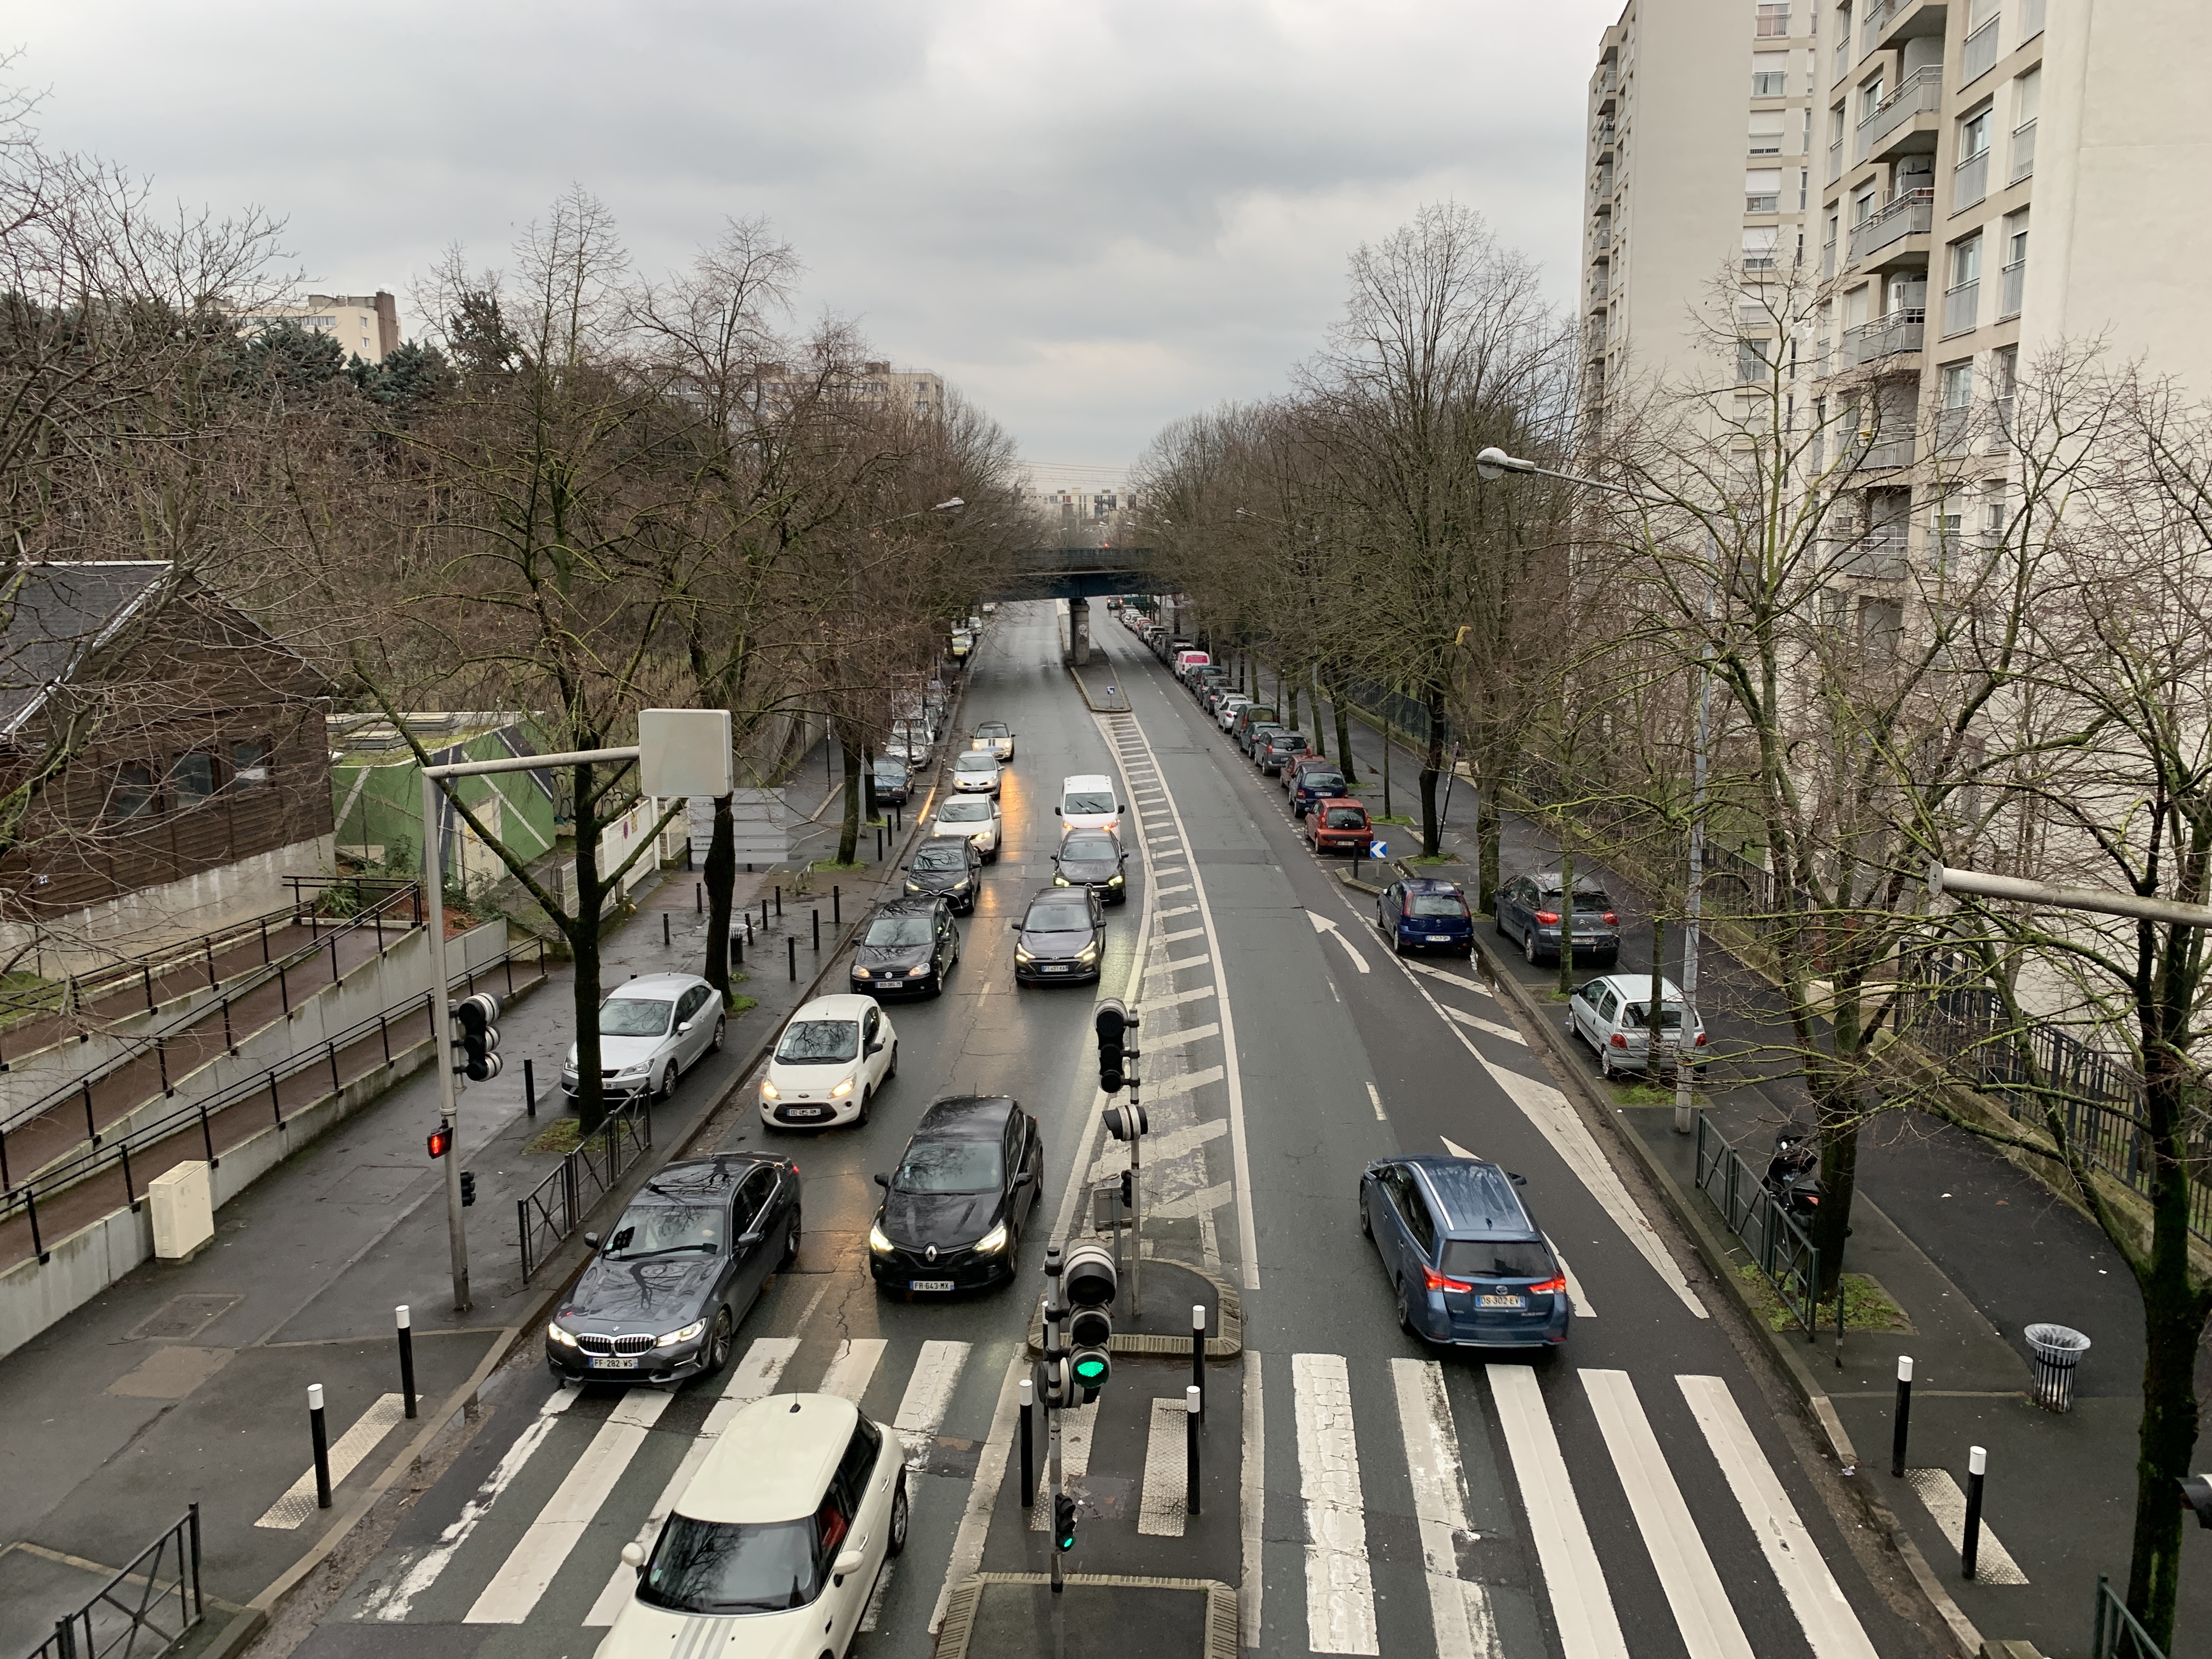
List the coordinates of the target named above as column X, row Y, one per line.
column 833, row 1058
column 1612, row 1014
column 651, row 1030
column 1086, row 802
column 975, row 772
column 975, row 817
column 775, row 1545
column 1226, row 715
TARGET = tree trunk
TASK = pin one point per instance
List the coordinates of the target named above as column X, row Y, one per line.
column 1343, row 736
column 848, row 837
column 721, row 878
column 1566, row 911
column 584, row 952
column 1652, row 1023
column 1837, row 1111
column 2173, row 1322
column 869, row 810
column 1489, row 836
column 1432, row 768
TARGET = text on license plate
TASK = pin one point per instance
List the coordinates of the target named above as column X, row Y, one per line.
column 1054, row 968
column 617, row 1363
column 929, row 1284
column 1499, row 1301
column 1440, row 939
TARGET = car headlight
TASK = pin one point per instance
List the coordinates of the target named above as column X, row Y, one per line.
column 918, row 972
column 962, row 886
column 769, row 1092
column 914, row 887
column 1089, row 954
column 638, row 1070
column 1059, row 880
column 993, row 1242
column 1115, row 879
column 842, row 1090
column 1020, row 954
column 981, row 836
column 877, row 1240
column 862, row 973
column 563, row 1337
column 688, row 1333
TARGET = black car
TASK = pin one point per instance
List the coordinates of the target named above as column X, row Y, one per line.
column 1255, row 735
column 1280, row 751
column 954, row 1209
column 1092, row 859
column 947, row 866
column 1528, row 909
column 1063, row 935
column 894, row 784
column 661, row 1297
column 908, row 946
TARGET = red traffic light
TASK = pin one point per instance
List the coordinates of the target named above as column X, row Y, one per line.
column 441, row 1140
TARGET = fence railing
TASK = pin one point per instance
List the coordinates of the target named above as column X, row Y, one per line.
column 2116, row 1635
column 1785, row 1251
column 144, row 1610
column 556, row 1206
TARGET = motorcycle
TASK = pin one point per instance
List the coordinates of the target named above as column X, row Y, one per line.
column 1793, row 1173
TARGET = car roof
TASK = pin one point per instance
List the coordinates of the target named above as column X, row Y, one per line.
column 772, row 1462
column 918, row 904
column 656, row 986
column 1430, row 885
column 969, row 757
column 1637, row 986
column 1074, row 894
column 1076, row 781
column 965, row 1117
column 1550, row 879
column 1340, row 800
column 843, row 1006
column 1476, row 1196
column 702, row 1177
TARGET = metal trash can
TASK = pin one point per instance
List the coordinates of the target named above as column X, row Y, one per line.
column 2057, row 1350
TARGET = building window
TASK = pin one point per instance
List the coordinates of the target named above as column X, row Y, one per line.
column 1770, row 75
column 1758, row 245
column 131, row 795
column 2016, row 265
column 1962, row 298
column 1762, row 191
column 1773, row 20
column 249, row 764
column 1997, row 514
column 1767, row 131
column 1752, row 362
column 1870, row 98
column 191, row 777
column 1955, row 402
column 1971, row 182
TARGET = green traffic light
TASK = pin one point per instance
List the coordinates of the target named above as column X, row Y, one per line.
column 1091, row 1371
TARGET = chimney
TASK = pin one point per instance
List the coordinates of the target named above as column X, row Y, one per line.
column 387, row 322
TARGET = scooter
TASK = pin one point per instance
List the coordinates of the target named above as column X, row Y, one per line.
column 1793, row 1173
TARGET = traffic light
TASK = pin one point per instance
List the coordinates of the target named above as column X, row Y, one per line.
column 441, row 1140
column 1112, row 1021
column 1063, row 1522
column 1089, row 1282
column 1125, row 1123
column 476, row 1037
column 468, row 1187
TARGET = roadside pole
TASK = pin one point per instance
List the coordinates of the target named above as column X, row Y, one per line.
column 441, row 1033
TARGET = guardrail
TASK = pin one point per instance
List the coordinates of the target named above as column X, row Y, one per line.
column 145, row 1609
column 1785, row 1251
column 2116, row 1635
column 558, row 1204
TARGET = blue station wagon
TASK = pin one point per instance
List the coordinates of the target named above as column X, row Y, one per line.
column 1468, row 1265
column 1425, row 916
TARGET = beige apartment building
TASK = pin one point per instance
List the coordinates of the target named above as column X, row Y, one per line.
column 365, row 325
column 873, row 386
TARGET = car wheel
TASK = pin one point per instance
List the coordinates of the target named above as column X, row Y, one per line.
column 1605, row 1065
column 1528, row 945
column 1397, row 943
column 791, row 1243
column 896, row 1542
column 891, row 1070
column 1366, row 1223
column 867, row 1099
column 668, row 1082
column 721, row 1030
column 1406, row 1315
column 937, row 983
column 718, row 1344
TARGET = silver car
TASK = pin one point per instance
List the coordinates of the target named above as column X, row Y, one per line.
column 1611, row 1013
column 651, row 1030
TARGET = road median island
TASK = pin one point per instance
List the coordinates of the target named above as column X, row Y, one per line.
column 1003, row 1613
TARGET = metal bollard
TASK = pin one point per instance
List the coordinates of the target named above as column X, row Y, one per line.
column 321, row 1436
column 666, row 939
column 779, row 902
column 1902, row 1416
column 698, row 890
column 738, row 945
column 818, row 928
column 837, row 907
column 406, row 1355
column 879, row 843
column 1197, row 1355
column 1029, row 1441
column 1978, row 1463
column 749, row 927
column 790, row 950
column 530, row 1088
column 1191, row 1408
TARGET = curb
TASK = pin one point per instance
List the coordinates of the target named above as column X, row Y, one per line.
column 1229, row 1312
column 959, row 1627
column 1716, row 1254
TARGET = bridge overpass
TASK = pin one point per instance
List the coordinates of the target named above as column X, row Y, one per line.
column 1073, row 573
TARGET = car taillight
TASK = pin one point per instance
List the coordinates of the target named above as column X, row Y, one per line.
column 1700, row 1042
column 1547, row 917
column 1437, row 1281
column 1612, row 920
column 1553, row 1286
column 1618, row 1039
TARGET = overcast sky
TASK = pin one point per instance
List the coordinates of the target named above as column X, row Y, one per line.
column 1092, row 217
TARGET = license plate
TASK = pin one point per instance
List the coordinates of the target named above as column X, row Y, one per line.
column 1054, row 968
column 805, row 1111
column 617, row 1363
column 1440, row 939
column 1499, row 1301
column 929, row 1284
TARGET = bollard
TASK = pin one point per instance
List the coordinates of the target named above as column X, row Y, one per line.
column 790, row 950
column 749, row 927
column 530, row 1088
column 1978, row 1463
column 1197, row 1355
column 1904, row 1416
column 818, row 929
column 698, row 890
column 1029, row 1442
column 665, row 939
column 837, row 907
column 406, row 1355
column 779, row 902
column 749, row 920
column 738, row 945
column 321, row 1438
column 1191, row 1408
column 879, row 843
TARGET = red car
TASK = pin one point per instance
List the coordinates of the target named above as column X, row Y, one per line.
column 1339, row 826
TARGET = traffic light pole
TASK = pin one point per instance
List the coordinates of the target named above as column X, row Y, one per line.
column 1055, row 1312
column 1136, row 1197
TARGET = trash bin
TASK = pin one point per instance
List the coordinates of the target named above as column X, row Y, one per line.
column 2057, row 1350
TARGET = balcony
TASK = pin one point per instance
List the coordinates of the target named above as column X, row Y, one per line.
column 1962, row 307
column 1885, row 454
column 1878, row 136
column 1911, row 20
column 1871, row 30
column 2023, row 152
column 1912, row 213
column 1604, row 183
column 1880, row 556
column 1828, row 258
column 2012, row 282
column 1902, row 331
column 1836, row 159
column 1605, row 134
column 1980, row 54
column 1970, row 182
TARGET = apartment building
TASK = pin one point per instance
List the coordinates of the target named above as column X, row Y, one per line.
column 1699, row 173
column 366, row 325
column 873, row 385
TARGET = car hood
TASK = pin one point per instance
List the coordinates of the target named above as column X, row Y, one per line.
column 937, row 881
column 1055, row 945
column 891, row 955
column 659, row 1294
column 1088, row 869
column 967, row 827
column 643, row 1632
column 803, row 1078
column 617, row 1052
column 947, row 1220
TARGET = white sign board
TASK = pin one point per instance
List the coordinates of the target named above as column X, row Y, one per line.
column 683, row 751
column 761, row 821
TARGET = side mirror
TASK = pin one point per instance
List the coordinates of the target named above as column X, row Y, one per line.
column 632, row 1555
column 884, row 1181
column 876, row 1047
column 848, row 1564
column 1016, row 927
column 682, row 1027
column 590, row 1241
column 1517, row 1180
column 1056, row 813
column 1121, row 806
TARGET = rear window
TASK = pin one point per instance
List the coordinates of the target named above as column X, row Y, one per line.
column 1347, row 817
column 1586, row 900
column 1325, row 783
column 1496, row 1258
column 1670, row 1015
column 1435, row 904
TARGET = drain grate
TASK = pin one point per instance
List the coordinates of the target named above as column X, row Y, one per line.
column 184, row 1315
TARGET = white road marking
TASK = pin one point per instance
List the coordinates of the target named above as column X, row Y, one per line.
column 984, row 1491
column 298, row 1502
column 1583, row 1308
column 1475, row 1023
column 1463, row 983
column 928, row 1392
column 1160, row 1510
column 1179, row 935
column 1174, row 998
column 1454, row 1147
column 1832, row 1629
column 1687, row 1574
column 1181, row 1085
column 1153, row 1045
column 1459, row 1610
column 1323, row 925
column 1946, row 1507
column 1165, row 892
column 1581, row 1606
column 1375, row 1096
column 1252, row 1496
column 536, row 1558
column 1179, row 910
column 1177, row 967
column 853, row 1367
column 1339, row 1587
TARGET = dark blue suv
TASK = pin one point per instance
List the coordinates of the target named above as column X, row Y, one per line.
column 1425, row 916
column 1468, row 1263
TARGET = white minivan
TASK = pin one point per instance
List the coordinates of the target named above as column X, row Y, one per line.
column 1086, row 802
column 1186, row 661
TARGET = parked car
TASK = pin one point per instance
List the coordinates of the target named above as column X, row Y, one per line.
column 1425, row 916
column 916, row 739
column 833, row 1057
column 908, row 944
column 1225, row 708
column 1280, row 748
column 1252, row 714
column 947, row 867
column 1212, row 697
column 1251, row 736
column 1308, row 782
column 1092, row 859
column 1205, row 675
column 651, row 1030
column 975, row 772
column 1611, row 1013
column 1186, row 658
column 662, row 1296
column 1086, row 802
column 1528, row 909
column 1062, row 937
column 1339, row 826
column 894, row 783
column 1468, row 1265
column 994, row 736
column 777, row 1543
column 975, row 817
column 953, row 1211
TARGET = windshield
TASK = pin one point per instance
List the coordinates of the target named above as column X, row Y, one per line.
column 819, row 1042
column 1327, row 783
column 651, row 1229
column 897, row 930
column 1253, row 717
column 1496, row 1258
column 1634, row 1015
column 992, row 729
column 1435, row 904
column 940, row 858
column 1087, row 849
column 1046, row 917
column 710, row 1566
column 633, row 1016
column 1346, row 818
column 950, row 1166
column 976, row 760
column 966, row 811
column 1090, row 802
column 892, row 770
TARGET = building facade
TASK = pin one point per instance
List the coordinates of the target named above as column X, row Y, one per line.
column 365, row 325
column 873, row 386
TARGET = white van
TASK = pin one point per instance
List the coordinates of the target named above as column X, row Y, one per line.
column 1186, row 661
column 1086, row 802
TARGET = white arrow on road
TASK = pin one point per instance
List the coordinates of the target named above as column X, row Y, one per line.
column 1323, row 925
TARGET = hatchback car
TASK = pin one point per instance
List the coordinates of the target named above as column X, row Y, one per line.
column 827, row 1069
column 954, row 1209
column 975, row 818
column 894, row 784
column 1468, row 1263
column 1250, row 719
column 1250, row 736
column 774, row 1546
column 1339, row 826
column 1310, row 781
column 1092, row 859
column 651, row 1030
column 908, row 944
column 994, row 736
column 975, row 772
column 1613, row 1014
column 1280, row 751
column 662, row 1296
column 949, row 868
column 1425, row 916
column 1225, row 710
column 1063, row 936
column 1528, row 909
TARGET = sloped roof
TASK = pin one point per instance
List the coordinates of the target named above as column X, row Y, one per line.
column 53, row 615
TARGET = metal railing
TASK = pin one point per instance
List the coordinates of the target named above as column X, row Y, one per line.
column 1903, row 330
column 2012, row 288
column 2023, row 151
column 1979, row 55
column 1877, row 19
column 1912, row 213
column 1917, row 94
column 556, row 1206
column 1962, row 306
column 1969, row 181
column 1783, row 1251
column 2116, row 1635
column 144, row 1610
